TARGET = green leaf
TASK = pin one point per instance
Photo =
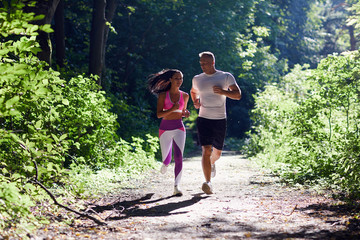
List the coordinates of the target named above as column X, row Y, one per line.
column 9, row 103
column 3, row 52
column 4, row 171
column 65, row 102
column 14, row 112
column 41, row 91
column 55, row 137
column 46, row 28
column 29, row 186
column 38, row 124
column 38, row 17
column 34, row 28
column 63, row 137
column 20, row 68
column 29, row 168
column 49, row 147
column 35, row 50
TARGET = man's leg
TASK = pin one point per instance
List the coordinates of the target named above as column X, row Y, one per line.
column 218, row 143
column 206, row 164
column 215, row 155
column 204, row 128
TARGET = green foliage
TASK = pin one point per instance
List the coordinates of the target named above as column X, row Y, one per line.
column 133, row 159
column 133, row 120
column 308, row 127
column 29, row 100
column 255, row 40
column 296, row 34
column 13, row 204
column 87, row 122
column 48, row 124
column 354, row 19
column 171, row 36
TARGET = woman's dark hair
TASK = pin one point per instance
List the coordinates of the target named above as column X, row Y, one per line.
column 160, row 82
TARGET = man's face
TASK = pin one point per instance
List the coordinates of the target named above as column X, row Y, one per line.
column 206, row 64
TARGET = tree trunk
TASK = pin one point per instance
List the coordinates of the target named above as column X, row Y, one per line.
column 111, row 6
column 46, row 8
column 60, row 35
column 352, row 38
column 97, row 38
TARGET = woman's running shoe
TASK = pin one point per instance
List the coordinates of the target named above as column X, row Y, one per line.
column 177, row 191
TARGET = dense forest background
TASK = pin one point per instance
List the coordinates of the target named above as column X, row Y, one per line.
column 74, row 104
column 258, row 41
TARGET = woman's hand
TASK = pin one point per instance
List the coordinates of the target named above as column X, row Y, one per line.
column 175, row 107
column 186, row 113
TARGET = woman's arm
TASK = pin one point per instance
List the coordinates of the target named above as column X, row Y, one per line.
column 185, row 112
column 160, row 112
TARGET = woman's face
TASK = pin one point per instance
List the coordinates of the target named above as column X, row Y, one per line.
column 177, row 79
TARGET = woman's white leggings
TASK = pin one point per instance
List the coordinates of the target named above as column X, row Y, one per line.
column 172, row 134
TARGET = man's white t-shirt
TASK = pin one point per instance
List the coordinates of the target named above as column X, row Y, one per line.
column 213, row 106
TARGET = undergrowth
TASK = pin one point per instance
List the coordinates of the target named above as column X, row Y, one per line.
column 307, row 127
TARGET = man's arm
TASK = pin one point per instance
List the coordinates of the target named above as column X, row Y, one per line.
column 195, row 98
column 233, row 92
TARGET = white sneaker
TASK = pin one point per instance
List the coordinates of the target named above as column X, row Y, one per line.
column 207, row 188
column 177, row 191
column 213, row 170
column 163, row 169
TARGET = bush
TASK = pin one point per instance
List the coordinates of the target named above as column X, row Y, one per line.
column 48, row 124
column 307, row 128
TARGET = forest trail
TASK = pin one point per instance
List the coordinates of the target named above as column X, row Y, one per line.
column 246, row 204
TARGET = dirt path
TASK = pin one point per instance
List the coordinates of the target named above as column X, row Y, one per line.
column 246, row 205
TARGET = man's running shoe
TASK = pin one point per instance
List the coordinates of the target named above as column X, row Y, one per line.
column 207, row 188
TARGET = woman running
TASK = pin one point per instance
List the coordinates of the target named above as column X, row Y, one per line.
column 171, row 107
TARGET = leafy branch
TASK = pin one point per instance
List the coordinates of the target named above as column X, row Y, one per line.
column 36, row 181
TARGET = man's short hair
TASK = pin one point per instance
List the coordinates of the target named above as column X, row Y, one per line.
column 207, row 54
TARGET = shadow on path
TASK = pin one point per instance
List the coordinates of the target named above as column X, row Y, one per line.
column 330, row 213
column 242, row 230
column 132, row 208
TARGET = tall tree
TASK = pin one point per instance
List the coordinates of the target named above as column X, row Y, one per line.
column 111, row 6
column 341, row 26
column 97, row 38
column 353, row 40
column 353, row 22
column 60, row 34
column 46, row 8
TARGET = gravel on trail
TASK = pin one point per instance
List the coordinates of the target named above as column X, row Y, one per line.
column 247, row 204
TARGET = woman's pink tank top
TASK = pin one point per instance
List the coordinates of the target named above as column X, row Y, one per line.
column 168, row 103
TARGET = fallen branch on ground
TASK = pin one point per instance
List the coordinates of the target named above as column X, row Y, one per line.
column 36, row 181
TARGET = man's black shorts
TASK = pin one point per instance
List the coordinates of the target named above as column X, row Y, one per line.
column 211, row 132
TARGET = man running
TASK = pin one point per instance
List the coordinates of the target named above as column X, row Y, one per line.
column 208, row 93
